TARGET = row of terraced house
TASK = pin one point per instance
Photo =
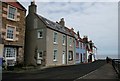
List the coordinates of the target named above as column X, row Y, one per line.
column 34, row 40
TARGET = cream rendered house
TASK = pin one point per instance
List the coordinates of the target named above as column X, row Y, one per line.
column 47, row 43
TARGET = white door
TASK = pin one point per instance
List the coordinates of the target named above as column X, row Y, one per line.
column 63, row 58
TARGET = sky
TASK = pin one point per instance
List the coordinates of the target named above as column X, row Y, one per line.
column 96, row 18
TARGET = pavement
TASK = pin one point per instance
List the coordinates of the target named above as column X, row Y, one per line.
column 104, row 72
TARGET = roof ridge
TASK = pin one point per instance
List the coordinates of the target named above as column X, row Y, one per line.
column 55, row 26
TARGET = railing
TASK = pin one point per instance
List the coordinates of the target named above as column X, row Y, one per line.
column 116, row 66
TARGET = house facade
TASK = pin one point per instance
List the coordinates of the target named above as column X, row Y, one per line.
column 1, row 45
column 13, row 32
column 70, row 46
column 80, row 49
column 47, row 43
column 91, row 51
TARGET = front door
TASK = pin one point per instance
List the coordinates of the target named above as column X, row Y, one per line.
column 63, row 58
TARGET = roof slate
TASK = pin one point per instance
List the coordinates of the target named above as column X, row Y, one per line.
column 55, row 26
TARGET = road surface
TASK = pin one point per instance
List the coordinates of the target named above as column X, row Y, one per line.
column 64, row 72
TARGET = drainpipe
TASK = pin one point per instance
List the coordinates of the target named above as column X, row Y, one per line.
column 66, row 51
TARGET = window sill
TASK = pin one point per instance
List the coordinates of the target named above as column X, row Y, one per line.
column 55, row 43
column 55, row 60
column 70, row 45
column 9, row 39
column 11, row 19
column 40, row 37
column 63, row 44
column 70, row 59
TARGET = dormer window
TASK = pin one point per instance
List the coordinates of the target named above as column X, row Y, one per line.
column 12, row 12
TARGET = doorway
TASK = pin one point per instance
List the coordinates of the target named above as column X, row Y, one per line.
column 63, row 57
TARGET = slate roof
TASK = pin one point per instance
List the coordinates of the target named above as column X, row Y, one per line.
column 55, row 26
column 15, row 4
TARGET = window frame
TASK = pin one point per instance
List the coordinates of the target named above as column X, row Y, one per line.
column 14, row 32
column 38, row 55
column 55, row 55
column 8, row 12
column 63, row 39
column 70, row 55
column 13, row 58
column 38, row 33
column 55, row 42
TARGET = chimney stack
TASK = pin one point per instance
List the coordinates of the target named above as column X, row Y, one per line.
column 78, row 34
column 62, row 22
column 32, row 7
column 85, row 39
column 91, row 44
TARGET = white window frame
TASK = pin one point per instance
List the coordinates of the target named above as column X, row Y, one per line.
column 55, row 37
column 38, row 55
column 11, row 49
column 55, row 55
column 14, row 32
column 13, row 58
column 15, row 15
column 38, row 33
column 63, row 39
column 70, row 55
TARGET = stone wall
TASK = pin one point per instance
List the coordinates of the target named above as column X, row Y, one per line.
column 19, row 24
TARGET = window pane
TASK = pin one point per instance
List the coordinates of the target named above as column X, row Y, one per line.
column 10, row 32
column 12, row 12
column 55, row 55
column 40, row 54
column 40, row 34
column 70, row 56
column 64, row 39
column 10, row 52
column 55, row 37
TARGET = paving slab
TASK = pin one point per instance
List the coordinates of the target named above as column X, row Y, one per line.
column 104, row 72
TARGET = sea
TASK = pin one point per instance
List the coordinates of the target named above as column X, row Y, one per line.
column 103, row 56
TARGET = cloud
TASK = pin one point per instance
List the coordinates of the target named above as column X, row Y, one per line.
column 70, row 0
column 98, row 20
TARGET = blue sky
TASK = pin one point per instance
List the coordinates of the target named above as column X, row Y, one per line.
column 97, row 20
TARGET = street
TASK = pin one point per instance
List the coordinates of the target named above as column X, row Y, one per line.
column 64, row 72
